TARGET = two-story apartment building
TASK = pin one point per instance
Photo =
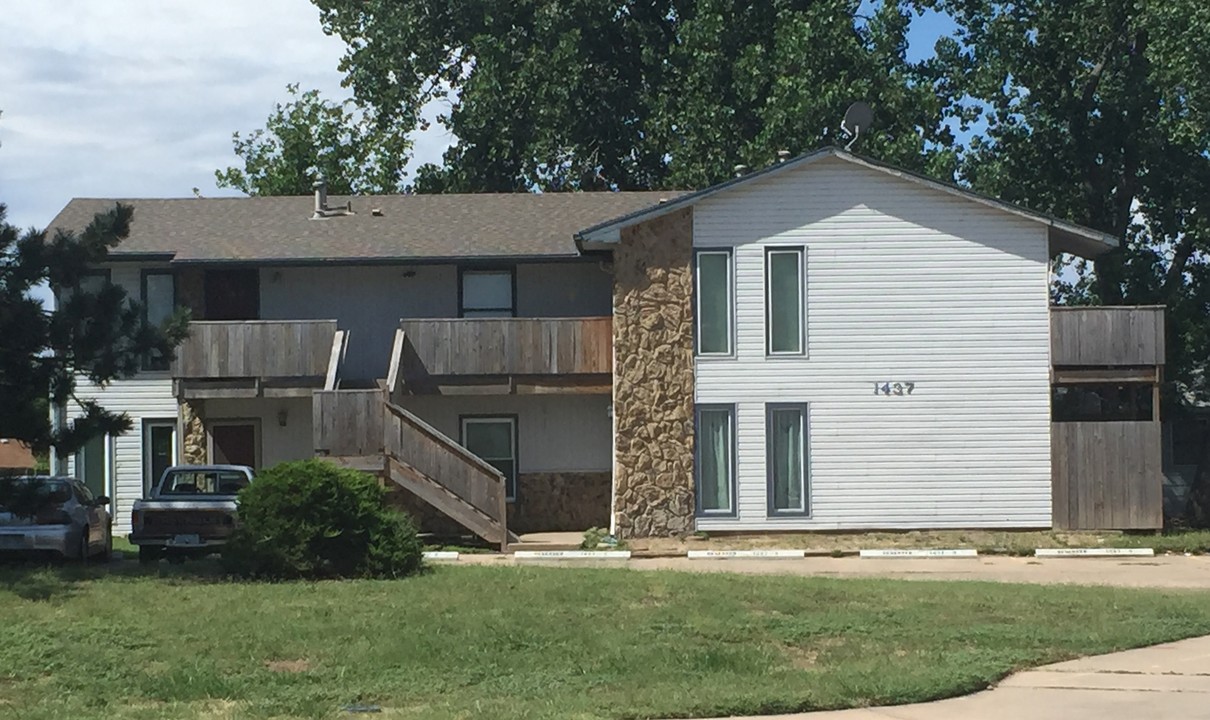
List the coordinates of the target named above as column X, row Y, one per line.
column 829, row 344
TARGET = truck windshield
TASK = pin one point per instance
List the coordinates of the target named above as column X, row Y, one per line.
column 203, row 482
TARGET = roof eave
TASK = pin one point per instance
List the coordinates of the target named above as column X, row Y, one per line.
column 1063, row 236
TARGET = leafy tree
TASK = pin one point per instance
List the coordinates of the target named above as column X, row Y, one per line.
column 308, row 137
column 583, row 94
column 1099, row 111
column 96, row 332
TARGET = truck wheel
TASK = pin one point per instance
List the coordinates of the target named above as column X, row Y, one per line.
column 149, row 554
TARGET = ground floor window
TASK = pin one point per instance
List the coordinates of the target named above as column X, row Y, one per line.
column 786, row 442
column 159, row 450
column 494, row 440
column 715, row 464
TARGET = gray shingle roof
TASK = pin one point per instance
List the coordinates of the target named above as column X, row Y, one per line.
column 411, row 227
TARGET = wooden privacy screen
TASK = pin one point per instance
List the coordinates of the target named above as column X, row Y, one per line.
column 1107, row 476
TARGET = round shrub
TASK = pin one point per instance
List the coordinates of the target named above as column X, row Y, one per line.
column 312, row 519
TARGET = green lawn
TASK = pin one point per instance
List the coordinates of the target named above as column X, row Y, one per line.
column 485, row 642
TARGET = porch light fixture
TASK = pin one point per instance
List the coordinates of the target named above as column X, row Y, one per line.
column 282, row 417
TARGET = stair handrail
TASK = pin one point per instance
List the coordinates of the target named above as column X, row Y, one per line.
column 441, row 439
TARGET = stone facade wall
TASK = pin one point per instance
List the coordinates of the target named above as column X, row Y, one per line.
column 546, row 502
column 653, row 377
column 193, row 441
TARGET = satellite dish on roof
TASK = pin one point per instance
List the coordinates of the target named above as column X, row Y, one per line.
column 857, row 119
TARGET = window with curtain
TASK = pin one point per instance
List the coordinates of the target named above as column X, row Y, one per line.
column 713, row 312
column 487, row 293
column 715, row 459
column 159, row 303
column 784, row 301
column 786, row 428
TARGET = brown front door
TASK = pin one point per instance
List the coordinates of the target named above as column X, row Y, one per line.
column 233, row 294
column 234, row 444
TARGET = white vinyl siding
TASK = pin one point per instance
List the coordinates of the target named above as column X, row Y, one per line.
column 903, row 284
column 147, row 395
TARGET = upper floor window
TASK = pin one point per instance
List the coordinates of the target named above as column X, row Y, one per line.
column 714, row 302
column 784, row 326
column 487, row 293
column 159, row 304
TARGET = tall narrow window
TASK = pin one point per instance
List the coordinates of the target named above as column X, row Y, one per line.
column 714, row 302
column 159, row 303
column 488, row 293
column 715, row 459
column 784, row 301
column 494, row 440
column 786, row 440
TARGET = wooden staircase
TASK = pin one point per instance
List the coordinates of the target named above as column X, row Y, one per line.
column 362, row 429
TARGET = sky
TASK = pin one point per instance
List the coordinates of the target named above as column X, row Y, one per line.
column 139, row 98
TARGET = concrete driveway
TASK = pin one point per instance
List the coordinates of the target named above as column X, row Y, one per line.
column 1164, row 682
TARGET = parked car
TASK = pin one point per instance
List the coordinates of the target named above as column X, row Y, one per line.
column 189, row 513
column 56, row 516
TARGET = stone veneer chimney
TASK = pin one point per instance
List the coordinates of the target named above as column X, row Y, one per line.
column 653, row 490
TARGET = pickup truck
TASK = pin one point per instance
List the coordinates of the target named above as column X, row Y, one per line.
column 189, row 513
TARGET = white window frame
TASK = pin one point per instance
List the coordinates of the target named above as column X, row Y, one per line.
column 510, row 483
column 697, row 302
column 801, row 252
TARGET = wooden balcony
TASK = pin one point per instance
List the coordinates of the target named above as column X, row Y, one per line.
column 1107, row 344
column 257, row 358
column 502, row 356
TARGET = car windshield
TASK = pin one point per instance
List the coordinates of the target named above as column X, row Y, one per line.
column 24, row 490
column 203, row 482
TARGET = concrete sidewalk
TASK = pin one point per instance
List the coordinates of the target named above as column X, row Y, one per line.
column 1165, row 571
column 1169, row 571
column 1164, row 682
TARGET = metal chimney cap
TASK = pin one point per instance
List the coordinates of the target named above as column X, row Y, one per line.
column 740, row 170
column 783, row 155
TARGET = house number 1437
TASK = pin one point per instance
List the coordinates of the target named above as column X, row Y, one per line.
column 885, row 387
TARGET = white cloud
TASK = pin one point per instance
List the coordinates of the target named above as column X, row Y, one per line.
column 138, row 98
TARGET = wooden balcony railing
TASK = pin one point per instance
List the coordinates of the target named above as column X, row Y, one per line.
column 1107, row 336
column 235, row 358
column 431, row 353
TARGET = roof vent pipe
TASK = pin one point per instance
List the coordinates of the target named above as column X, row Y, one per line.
column 740, row 170
column 321, row 196
column 783, row 155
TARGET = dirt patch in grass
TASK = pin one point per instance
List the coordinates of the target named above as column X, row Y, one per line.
column 288, row 666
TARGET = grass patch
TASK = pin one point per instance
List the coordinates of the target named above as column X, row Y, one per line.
column 457, row 642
